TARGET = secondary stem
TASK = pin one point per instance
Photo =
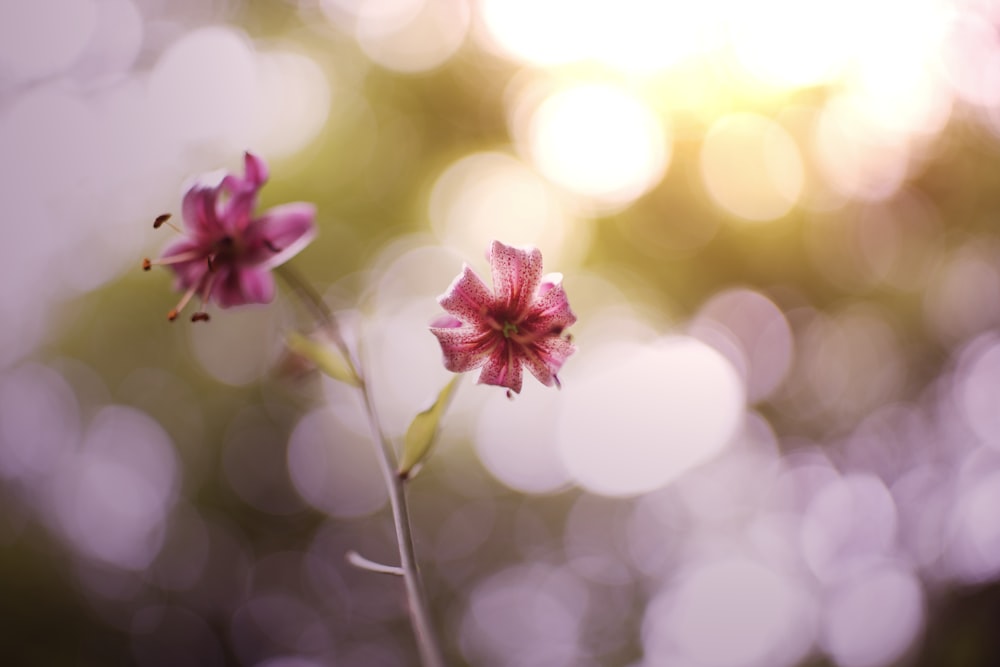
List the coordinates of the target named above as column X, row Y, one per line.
column 420, row 617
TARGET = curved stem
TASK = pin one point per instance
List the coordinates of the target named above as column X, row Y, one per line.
column 420, row 617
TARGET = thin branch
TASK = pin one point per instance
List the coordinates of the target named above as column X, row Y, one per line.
column 360, row 562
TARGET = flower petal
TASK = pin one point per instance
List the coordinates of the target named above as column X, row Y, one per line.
column 188, row 273
column 236, row 287
column 199, row 209
column 550, row 311
column 464, row 348
column 516, row 275
column 467, row 297
column 255, row 169
column 237, row 215
column 546, row 356
column 502, row 369
column 281, row 233
column 446, row 322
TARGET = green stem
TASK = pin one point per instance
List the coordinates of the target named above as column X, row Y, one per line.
column 420, row 617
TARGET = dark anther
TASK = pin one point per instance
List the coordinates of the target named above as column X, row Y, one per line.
column 211, row 266
column 200, row 316
column 160, row 219
column 271, row 246
column 146, row 264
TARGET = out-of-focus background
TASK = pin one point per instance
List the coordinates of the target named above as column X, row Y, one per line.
column 777, row 445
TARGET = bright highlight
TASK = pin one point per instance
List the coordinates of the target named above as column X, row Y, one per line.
column 601, row 142
column 751, row 167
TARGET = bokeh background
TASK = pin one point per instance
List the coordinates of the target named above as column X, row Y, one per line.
column 777, row 445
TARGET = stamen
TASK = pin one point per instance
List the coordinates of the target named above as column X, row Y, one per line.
column 510, row 395
column 206, row 292
column 162, row 220
column 172, row 315
column 176, row 259
column 146, row 264
column 271, row 246
column 555, row 379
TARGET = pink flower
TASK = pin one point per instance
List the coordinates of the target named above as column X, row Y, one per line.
column 228, row 253
column 520, row 323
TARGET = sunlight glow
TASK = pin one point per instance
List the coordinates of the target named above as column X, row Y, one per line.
column 751, row 167
column 600, row 141
column 486, row 196
column 411, row 35
column 793, row 43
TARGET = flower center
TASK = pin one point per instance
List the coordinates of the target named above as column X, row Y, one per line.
column 509, row 329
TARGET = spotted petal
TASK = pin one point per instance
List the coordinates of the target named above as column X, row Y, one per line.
column 553, row 351
column 463, row 348
column 551, row 311
column 516, row 275
column 503, row 369
column 467, row 297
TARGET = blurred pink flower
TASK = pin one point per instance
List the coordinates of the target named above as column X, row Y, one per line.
column 521, row 322
column 228, row 253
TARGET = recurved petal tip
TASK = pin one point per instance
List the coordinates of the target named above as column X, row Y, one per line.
column 255, row 169
column 285, row 230
column 445, row 322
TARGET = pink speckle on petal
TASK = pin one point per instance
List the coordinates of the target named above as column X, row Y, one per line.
column 520, row 323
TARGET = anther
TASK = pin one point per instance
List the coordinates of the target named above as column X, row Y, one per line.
column 270, row 246
column 146, row 264
column 510, row 395
column 200, row 316
column 172, row 315
column 160, row 219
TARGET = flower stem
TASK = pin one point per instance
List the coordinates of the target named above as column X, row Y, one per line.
column 430, row 652
column 420, row 617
